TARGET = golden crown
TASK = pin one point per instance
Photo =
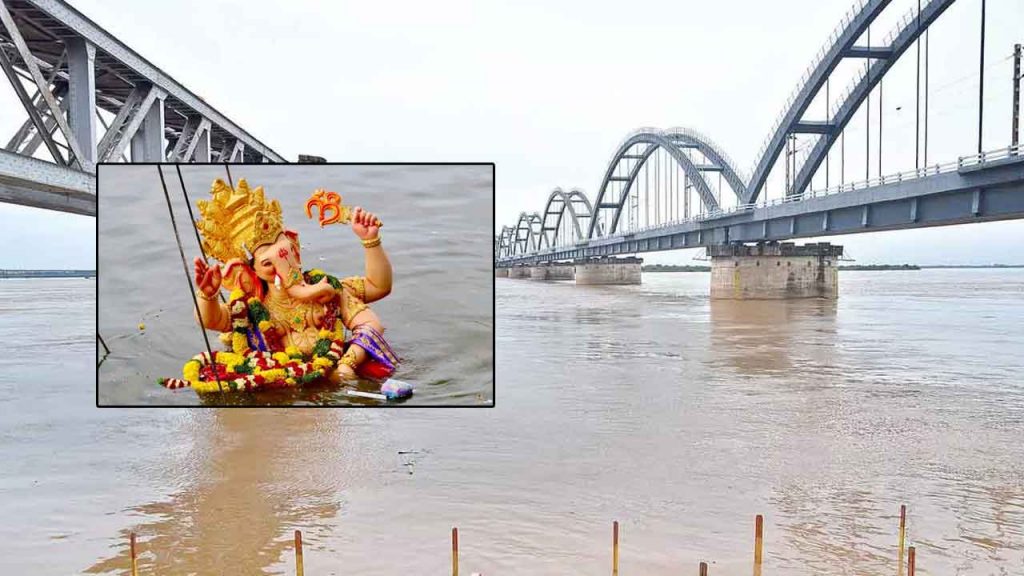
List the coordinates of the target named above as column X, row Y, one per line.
column 237, row 221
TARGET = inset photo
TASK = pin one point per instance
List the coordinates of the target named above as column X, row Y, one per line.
column 295, row 285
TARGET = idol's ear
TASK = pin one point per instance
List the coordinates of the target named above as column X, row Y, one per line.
column 238, row 274
column 294, row 237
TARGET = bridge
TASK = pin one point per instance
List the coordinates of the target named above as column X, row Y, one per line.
column 88, row 98
column 676, row 188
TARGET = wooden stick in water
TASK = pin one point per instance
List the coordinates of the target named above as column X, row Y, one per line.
column 298, row 553
column 615, row 548
column 902, row 535
column 455, row 552
column 758, row 543
column 131, row 550
column 759, row 533
column 910, row 561
column 703, row 569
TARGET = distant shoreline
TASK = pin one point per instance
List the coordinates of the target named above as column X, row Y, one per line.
column 854, row 267
column 14, row 274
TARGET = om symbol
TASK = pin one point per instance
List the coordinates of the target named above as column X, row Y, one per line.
column 327, row 202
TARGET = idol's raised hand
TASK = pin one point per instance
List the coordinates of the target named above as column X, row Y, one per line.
column 365, row 224
column 208, row 278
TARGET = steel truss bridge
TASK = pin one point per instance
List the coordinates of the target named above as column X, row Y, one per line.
column 88, row 98
column 977, row 188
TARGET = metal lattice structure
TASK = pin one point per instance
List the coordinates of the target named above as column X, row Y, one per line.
column 976, row 188
column 842, row 46
column 68, row 73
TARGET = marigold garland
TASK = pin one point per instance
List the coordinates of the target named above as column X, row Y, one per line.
column 247, row 369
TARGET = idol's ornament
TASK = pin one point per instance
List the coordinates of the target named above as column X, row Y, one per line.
column 286, row 326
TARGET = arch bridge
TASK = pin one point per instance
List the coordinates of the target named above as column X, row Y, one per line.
column 699, row 198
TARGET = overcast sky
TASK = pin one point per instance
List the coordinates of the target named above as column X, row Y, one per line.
column 546, row 90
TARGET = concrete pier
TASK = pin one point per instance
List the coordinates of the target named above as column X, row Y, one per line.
column 553, row 271
column 774, row 271
column 608, row 271
column 519, row 272
column 562, row 271
column 538, row 272
column 501, row 272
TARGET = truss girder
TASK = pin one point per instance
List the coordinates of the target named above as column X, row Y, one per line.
column 653, row 141
column 844, row 113
column 559, row 202
column 815, row 80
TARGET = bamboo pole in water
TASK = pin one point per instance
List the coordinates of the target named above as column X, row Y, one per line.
column 455, row 552
column 298, row 553
column 902, row 535
column 615, row 548
column 703, row 569
column 758, row 543
column 910, row 561
column 131, row 551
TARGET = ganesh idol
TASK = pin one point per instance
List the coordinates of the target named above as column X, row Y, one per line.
column 286, row 326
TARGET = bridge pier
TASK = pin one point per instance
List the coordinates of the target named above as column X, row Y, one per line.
column 553, row 271
column 519, row 272
column 774, row 271
column 608, row 271
column 501, row 272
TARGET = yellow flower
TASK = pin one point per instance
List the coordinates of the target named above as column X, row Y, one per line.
column 273, row 375
column 225, row 337
column 292, row 351
column 325, row 334
column 321, row 362
column 264, row 325
column 228, row 359
column 253, row 300
column 316, row 271
column 206, row 387
column 290, row 381
column 236, row 294
column 191, row 371
column 281, row 357
column 238, row 343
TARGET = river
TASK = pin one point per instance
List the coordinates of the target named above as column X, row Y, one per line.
column 679, row 417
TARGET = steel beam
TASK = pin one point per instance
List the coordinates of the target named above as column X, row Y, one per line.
column 813, row 127
column 40, row 184
column 876, row 52
column 128, row 133
column 37, row 137
column 199, row 148
column 114, row 132
column 148, row 140
column 82, row 99
column 184, row 139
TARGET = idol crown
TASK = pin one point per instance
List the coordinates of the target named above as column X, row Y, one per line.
column 237, row 220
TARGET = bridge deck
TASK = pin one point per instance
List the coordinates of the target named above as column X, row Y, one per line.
column 993, row 190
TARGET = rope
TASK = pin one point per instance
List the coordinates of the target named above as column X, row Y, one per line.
column 188, row 278
column 228, row 170
column 192, row 216
column 103, row 343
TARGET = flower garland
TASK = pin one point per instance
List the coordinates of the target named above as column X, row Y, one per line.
column 248, row 368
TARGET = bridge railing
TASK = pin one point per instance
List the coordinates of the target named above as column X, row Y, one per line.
column 926, row 171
